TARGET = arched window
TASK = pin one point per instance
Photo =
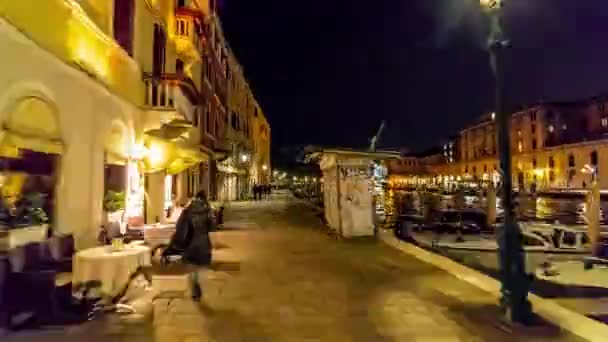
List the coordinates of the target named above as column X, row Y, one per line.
column 594, row 158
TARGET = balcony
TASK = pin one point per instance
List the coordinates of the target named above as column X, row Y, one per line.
column 161, row 91
column 77, row 40
column 187, row 36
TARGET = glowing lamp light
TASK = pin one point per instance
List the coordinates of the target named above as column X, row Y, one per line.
column 491, row 5
column 588, row 169
column 264, row 167
column 156, row 155
column 295, row 178
column 538, row 172
column 137, row 152
column 244, row 158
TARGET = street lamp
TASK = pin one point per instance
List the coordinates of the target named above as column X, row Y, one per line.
column 515, row 282
column 264, row 167
column 244, row 157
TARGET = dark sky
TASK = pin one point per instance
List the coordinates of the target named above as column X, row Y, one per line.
column 328, row 71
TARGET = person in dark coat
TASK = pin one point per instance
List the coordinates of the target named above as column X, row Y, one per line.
column 256, row 191
column 191, row 239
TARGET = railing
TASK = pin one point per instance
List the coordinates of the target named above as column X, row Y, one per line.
column 161, row 90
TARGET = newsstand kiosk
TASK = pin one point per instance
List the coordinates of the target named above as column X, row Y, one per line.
column 350, row 189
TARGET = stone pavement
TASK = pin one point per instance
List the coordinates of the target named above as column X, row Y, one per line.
column 288, row 281
column 284, row 279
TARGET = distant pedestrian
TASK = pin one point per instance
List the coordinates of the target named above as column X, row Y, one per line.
column 256, row 192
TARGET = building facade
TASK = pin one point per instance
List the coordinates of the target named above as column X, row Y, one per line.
column 124, row 95
column 551, row 143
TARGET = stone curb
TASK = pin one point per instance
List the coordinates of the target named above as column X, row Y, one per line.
column 567, row 319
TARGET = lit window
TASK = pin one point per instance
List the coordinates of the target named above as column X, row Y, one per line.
column 604, row 122
column 550, row 128
column 520, row 146
column 493, row 116
column 519, row 132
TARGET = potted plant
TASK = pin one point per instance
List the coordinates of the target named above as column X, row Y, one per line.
column 113, row 202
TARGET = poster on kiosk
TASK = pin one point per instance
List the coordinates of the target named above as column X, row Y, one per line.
column 349, row 191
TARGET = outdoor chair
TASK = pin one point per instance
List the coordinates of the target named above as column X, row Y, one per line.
column 34, row 286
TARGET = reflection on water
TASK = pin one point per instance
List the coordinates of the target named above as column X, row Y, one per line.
column 564, row 210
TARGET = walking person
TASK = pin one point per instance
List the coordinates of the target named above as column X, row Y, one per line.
column 191, row 239
column 256, row 192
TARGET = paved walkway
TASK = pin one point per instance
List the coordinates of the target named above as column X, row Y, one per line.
column 283, row 279
column 294, row 283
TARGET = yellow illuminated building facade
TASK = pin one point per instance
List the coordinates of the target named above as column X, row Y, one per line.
column 551, row 143
column 134, row 89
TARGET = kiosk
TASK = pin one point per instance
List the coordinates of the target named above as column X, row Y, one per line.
column 353, row 190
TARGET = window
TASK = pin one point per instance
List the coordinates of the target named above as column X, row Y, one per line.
column 466, row 169
column 158, row 57
column 485, row 168
column 551, row 176
column 179, row 66
column 564, row 127
column 533, row 116
column 474, row 170
column 195, row 117
column 533, row 128
column 234, row 123
column 594, row 158
column 208, row 122
column 605, row 122
column 520, row 146
column 571, row 161
column 123, row 24
column 534, row 163
column 551, row 162
column 181, row 3
column 534, row 144
column 550, row 128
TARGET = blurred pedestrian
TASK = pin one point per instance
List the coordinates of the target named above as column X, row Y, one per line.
column 191, row 239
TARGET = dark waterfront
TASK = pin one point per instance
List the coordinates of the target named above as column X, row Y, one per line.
column 530, row 208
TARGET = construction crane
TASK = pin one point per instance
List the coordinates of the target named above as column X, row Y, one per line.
column 376, row 138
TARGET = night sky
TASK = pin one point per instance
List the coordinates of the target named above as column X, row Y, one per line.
column 328, row 71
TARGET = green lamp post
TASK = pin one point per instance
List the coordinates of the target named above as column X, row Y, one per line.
column 515, row 281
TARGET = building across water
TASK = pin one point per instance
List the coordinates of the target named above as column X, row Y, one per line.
column 551, row 143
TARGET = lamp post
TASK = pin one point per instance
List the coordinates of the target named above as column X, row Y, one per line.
column 515, row 282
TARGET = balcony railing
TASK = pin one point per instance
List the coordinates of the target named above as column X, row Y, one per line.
column 161, row 90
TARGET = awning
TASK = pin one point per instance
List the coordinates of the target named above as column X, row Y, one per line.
column 174, row 157
column 12, row 140
column 32, row 125
column 115, row 159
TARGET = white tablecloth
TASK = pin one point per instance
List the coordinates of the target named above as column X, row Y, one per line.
column 112, row 269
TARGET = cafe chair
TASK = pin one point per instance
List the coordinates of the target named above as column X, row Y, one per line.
column 33, row 286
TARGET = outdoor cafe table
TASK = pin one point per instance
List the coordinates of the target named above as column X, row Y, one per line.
column 111, row 268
